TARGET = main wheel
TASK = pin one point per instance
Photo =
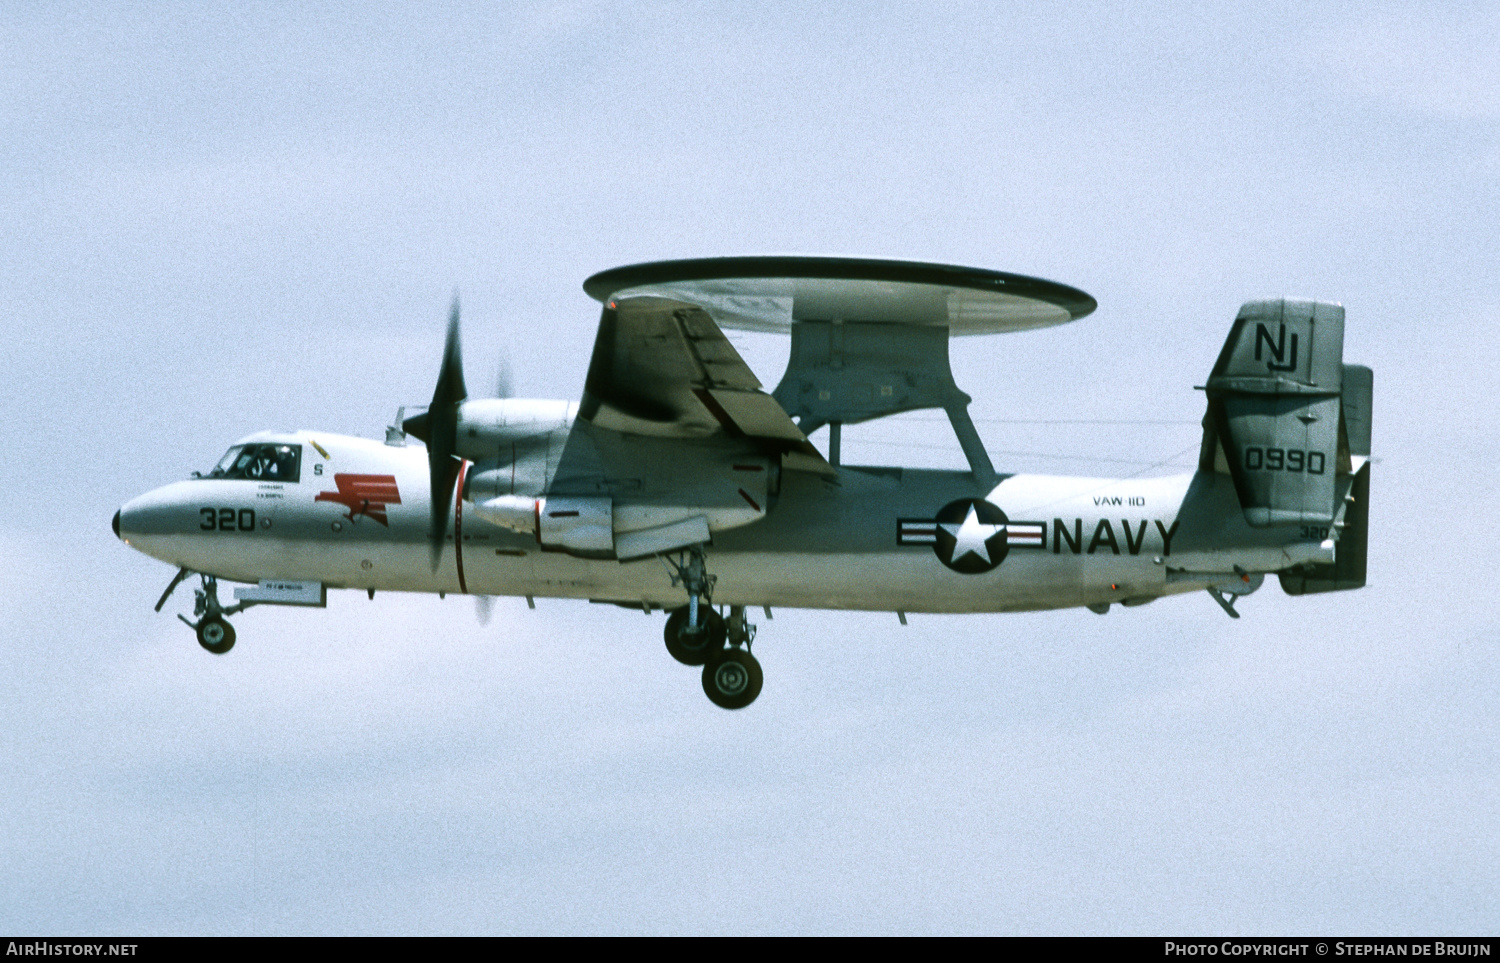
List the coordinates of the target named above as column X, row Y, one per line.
column 694, row 647
column 732, row 679
column 216, row 635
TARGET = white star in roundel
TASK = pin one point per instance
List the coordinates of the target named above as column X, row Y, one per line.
column 970, row 536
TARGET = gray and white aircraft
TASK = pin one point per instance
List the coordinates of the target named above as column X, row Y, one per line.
column 677, row 484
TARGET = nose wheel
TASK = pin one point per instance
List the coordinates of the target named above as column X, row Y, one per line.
column 212, row 626
column 215, row 634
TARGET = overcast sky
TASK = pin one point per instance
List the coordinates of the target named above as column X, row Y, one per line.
column 220, row 219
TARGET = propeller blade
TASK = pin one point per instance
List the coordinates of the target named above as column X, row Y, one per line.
column 444, row 475
column 484, row 607
column 450, row 386
column 503, row 385
column 439, row 429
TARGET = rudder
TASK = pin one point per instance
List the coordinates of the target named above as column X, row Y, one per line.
column 1353, row 521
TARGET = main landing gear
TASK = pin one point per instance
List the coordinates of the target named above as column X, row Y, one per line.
column 212, row 628
column 696, row 635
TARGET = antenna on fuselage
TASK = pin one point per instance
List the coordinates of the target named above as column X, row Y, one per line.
column 395, row 435
column 869, row 337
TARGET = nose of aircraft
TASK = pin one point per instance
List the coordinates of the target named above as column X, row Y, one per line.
column 157, row 522
column 160, row 512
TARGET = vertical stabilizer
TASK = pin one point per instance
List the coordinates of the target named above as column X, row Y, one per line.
column 1274, row 411
column 1352, row 525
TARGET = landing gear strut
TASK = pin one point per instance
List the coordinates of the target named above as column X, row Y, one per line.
column 695, row 631
column 696, row 635
column 689, row 570
column 213, row 629
column 737, row 629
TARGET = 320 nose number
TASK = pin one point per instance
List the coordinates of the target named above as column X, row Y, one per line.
column 227, row 519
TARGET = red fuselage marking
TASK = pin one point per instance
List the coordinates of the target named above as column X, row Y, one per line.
column 364, row 495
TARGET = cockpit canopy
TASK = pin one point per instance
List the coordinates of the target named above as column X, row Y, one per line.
column 260, row 462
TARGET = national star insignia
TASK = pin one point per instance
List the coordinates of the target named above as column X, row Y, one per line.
column 970, row 536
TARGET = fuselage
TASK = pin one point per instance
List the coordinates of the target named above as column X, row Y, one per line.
column 355, row 513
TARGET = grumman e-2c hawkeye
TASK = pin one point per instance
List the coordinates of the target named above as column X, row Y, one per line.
column 676, row 484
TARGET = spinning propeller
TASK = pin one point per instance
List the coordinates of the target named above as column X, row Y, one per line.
column 438, row 428
column 484, row 607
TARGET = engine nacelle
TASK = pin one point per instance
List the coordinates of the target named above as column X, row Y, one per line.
column 652, row 502
column 501, row 428
column 583, row 524
column 594, row 525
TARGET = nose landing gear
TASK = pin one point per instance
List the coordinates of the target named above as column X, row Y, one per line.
column 215, row 634
column 212, row 628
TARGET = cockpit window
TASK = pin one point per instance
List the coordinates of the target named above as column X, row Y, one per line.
column 279, row 463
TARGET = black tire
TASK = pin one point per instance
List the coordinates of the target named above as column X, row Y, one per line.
column 733, row 679
column 694, row 648
column 216, row 635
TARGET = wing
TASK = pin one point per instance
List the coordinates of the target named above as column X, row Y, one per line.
column 663, row 368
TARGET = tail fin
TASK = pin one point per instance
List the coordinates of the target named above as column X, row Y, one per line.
column 1290, row 423
column 1351, row 525
column 1274, row 412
